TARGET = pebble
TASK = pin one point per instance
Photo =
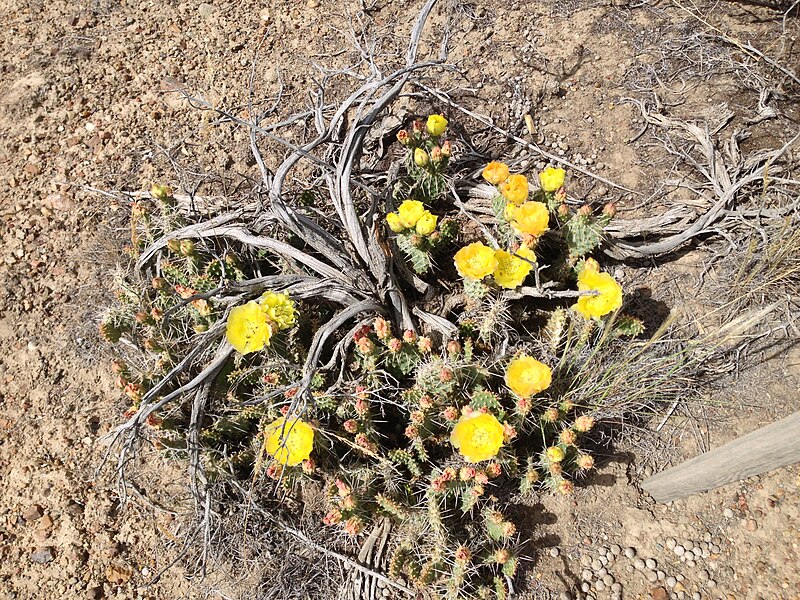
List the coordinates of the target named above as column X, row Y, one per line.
column 554, row 552
column 638, row 564
column 651, row 576
column 711, row 583
column 650, row 563
column 661, row 575
column 205, row 10
column 679, row 550
column 586, row 560
column 42, row 556
column 630, row 552
column 616, row 587
column 602, row 572
column 596, row 564
column 697, row 596
column 587, row 575
column 659, row 593
column 697, row 551
column 615, row 549
column 608, row 580
column 671, row 543
column 751, row 524
column 727, row 513
column 599, row 586
column 564, row 596
column 33, row 512
column 585, row 587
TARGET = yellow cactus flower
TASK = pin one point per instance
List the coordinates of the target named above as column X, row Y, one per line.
column 289, row 442
column 410, row 212
column 551, row 179
column 608, row 296
column 495, row 172
column 526, row 376
column 531, row 218
column 475, row 261
column 515, row 189
column 436, row 125
column 512, row 270
column 555, row 454
column 395, row 223
column 427, row 223
column 279, row 308
column 248, row 328
column 477, row 436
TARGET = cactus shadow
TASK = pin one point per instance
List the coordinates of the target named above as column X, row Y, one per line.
column 641, row 305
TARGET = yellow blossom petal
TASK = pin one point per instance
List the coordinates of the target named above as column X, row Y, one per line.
column 436, row 125
column 279, row 309
column 395, row 223
column 289, row 442
column 495, row 172
column 475, row 261
column 477, row 436
column 427, row 223
column 515, row 189
column 410, row 212
column 607, row 299
column 555, row 454
column 248, row 328
column 511, row 270
column 531, row 218
column 551, row 179
column 526, row 376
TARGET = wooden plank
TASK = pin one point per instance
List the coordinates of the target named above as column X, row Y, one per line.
column 768, row 448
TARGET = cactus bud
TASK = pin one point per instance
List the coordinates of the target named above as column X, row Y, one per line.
column 334, row 517
column 481, row 478
column 566, row 487
column 563, row 212
column 200, row 328
column 550, row 415
column 450, row 413
column 446, row 374
column 156, row 313
column 174, row 246
column 418, row 241
column 361, row 407
column 417, row 417
column 447, row 149
column 274, row 471
column 142, row 317
column 524, row 406
column 342, row 488
column 152, row 345
column 494, row 470
column 561, row 195
column 567, row 405
column 585, row 211
column 568, row 437
column 395, row 345
column 409, row 336
column 502, row 556
column 412, row 432
column 463, row 555
column 449, row 474
column 140, row 209
column 421, row 157
column 584, row 423
column 556, row 469
column 118, row 366
column 365, row 346
column 354, row 526
column 160, row 192
column 403, row 137
column 610, row 210
column 382, row 328
column 453, row 347
column 159, row 283
column 134, row 391
column 187, row 247
column 585, row 461
column 555, row 454
column 424, row 344
column 436, row 154
column 110, row 332
column 418, row 127
column 349, row 502
column 425, row 402
column 350, row 426
column 466, row 473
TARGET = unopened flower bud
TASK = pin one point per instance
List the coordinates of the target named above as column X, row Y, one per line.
column 550, row 415
column 200, row 328
column 412, row 432
column 417, row 417
column 425, row 402
column 447, row 149
column 174, row 246
column 463, row 555
column 424, row 344
column 561, row 194
column 585, row 211
column 583, row 423
column 563, row 211
column 403, row 137
column 421, row 157
column 453, row 347
column 610, row 210
column 450, row 413
column 418, row 241
column 308, row 466
column 160, row 192
column 446, row 374
column 395, row 345
column 350, row 426
column 142, row 317
column 159, row 283
column 585, row 462
column 418, row 127
column 187, row 247
column 566, row 487
column 568, row 437
column 436, row 154
column 409, row 336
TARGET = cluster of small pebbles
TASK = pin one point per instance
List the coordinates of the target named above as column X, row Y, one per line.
column 600, row 574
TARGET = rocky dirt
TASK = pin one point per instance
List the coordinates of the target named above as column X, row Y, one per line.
column 87, row 104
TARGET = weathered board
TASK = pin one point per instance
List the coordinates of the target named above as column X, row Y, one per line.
column 768, row 448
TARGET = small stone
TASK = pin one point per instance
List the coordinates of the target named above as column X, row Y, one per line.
column 661, row 575
column 671, row 543
column 703, row 574
column 711, row 583
column 671, row 582
column 94, row 592
column 697, row 551
column 679, row 550
column 616, row 587
column 690, row 562
column 630, row 552
column 638, row 564
column 586, row 560
column 727, row 513
column 659, row 593
column 205, row 10
column 608, row 580
column 751, row 524
column 564, row 596
column 554, row 552
column 585, row 587
column 599, row 585
column 697, row 596
column 651, row 576
column 587, row 575
column 596, row 564
column 33, row 512
column 42, row 556
column 679, row 577
column 615, row 549
column 603, row 560
column 602, row 572
column 650, row 563
column 312, row 4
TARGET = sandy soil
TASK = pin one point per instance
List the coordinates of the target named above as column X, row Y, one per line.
column 85, row 103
